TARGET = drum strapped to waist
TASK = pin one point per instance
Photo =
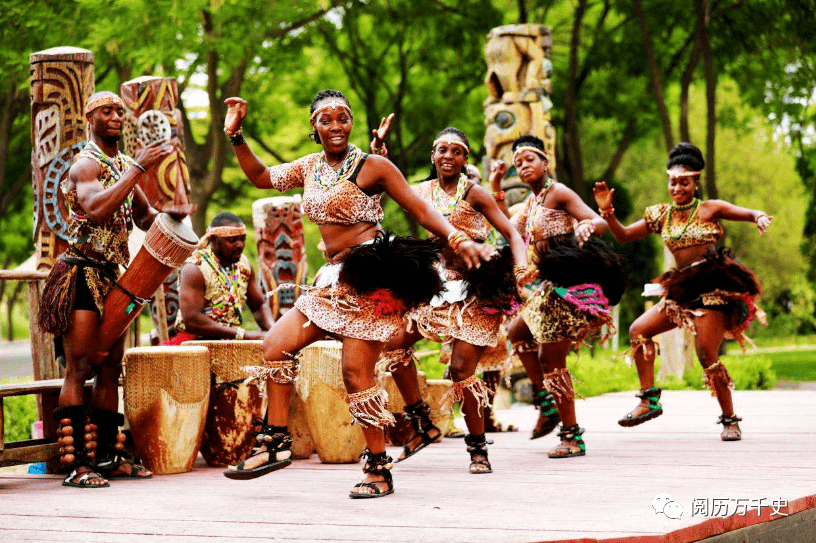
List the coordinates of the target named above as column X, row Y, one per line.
column 168, row 243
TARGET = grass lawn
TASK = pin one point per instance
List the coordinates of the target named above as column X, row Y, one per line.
column 792, row 365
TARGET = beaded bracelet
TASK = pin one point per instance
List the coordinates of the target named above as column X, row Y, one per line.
column 235, row 138
column 456, row 239
column 236, row 133
column 382, row 151
column 606, row 212
column 519, row 270
column 498, row 195
column 587, row 222
column 239, row 333
column 144, row 170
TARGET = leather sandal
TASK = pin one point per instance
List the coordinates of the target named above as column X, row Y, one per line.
column 572, row 444
column 377, row 464
column 274, row 441
column 731, row 430
column 651, row 400
column 83, row 479
column 548, row 411
column 477, row 447
column 419, row 415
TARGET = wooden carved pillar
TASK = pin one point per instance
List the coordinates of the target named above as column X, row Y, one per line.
column 151, row 115
column 519, row 87
column 61, row 82
column 281, row 255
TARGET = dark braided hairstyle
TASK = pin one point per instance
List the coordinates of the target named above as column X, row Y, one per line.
column 458, row 133
column 688, row 155
column 326, row 93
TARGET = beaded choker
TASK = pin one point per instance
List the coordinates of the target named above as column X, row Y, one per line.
column 695, row 204
column 446, row 208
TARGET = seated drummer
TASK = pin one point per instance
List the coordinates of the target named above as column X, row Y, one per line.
column 216, row 281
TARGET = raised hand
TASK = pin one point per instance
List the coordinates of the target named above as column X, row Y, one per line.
column 763, row 222
column 150, row 155
column 603, row 195
column 378, row 135
column 236, row 113
column 498, row 168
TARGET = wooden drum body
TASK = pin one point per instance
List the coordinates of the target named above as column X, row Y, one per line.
column 399, row 433
column 236, row 400
column 167, row 245
column 436, row 388
column 166, row 393
column 320, row 386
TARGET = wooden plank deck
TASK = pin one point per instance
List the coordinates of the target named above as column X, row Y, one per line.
column 529, row 497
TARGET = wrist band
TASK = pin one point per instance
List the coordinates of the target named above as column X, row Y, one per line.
column 382, row 151
column 519, row 270
column 236, row 133
column 607, row 211
column 498, row 195
column 760, row 216
column 237, row 139
column 239, row 333
column 586, row 222
column 144, row 170
column 456, row 239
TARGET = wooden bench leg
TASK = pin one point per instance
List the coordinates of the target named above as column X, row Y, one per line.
column 50, row 401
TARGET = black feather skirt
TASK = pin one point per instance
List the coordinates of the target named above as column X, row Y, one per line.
column 494, row 283
column 406, row 267
column 719, row 270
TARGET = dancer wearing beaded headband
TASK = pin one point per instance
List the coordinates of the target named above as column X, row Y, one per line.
column 709, row 293
column 104, row 201
column 580, row 278
column 472, row 308
column 362, row 298
column 216, row 281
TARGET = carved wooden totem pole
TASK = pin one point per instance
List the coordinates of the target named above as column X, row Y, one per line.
column 151, row 115
column 519, row 87
column 281, row 254
column 62, row 79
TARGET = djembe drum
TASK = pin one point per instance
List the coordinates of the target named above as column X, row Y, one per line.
column 236, row 402
column 320, row 386
column 167, row 245
column 166, row 392
column 433, row 392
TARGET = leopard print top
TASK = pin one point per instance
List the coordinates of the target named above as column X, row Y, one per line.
column 699, row 231
column 343, row 203
column 545, row 224
column 110, row 238
column 463, row 216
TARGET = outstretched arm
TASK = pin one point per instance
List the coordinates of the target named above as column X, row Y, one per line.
column 730, row 212
column 482, row 201
column 589, row 222
column 623, row 234
column 498, row 168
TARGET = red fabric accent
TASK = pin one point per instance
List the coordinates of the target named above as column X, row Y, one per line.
column 179, row 338
column 383, row 303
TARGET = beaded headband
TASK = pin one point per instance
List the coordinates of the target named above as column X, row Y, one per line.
column 331, row 105
column 101, row 101
column 674, row 175
column 536, row 150
column 222, row 232
column 450, row 140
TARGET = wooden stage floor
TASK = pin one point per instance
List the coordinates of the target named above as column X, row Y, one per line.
column 529, row 497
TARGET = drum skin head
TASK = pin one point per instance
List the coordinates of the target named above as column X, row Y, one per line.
column 178, row 228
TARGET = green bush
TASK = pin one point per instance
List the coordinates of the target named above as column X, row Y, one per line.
column 19, row 413
column 748, row 372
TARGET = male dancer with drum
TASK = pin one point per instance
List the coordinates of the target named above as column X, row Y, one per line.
column 104, row 202
column 216, row 281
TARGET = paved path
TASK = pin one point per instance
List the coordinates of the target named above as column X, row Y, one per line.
column 607, row 494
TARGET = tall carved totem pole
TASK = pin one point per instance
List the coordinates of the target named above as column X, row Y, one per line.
column 151, row 115
column 519, row 87
column 281, row 254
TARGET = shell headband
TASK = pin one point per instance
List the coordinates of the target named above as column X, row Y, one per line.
column 450, row 140
column 221, row 232
column 101, row 101
column 675, row 175
column 536, row 150
column 331, row 106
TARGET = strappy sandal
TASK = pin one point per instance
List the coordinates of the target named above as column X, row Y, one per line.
column 572, row 444
column 84, row 477
column 477, row 447
column 419, row 415
column 274, row 441
column 650, row 395
column 547, row 410
column 731, row 430
column 376, row 464
column 135, row 470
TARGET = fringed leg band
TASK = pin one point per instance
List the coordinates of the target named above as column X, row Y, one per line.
column 283, row 372
column 714, row 373
column 520, row 347
column 391, row 361
column 559, row 383
column 370, row 408
column 473, row 384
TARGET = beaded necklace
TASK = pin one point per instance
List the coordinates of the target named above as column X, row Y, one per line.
column 695, row 204
column 437, row 196
column 531, row 209
column 347, row 168
column 228, row 280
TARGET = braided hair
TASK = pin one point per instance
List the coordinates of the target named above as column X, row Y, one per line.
column 325, row 93
column 459, row 134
